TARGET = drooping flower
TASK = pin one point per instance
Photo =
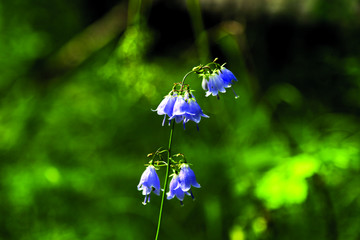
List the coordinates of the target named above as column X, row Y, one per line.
column 187, row 109
column 166, row 106
column 149, row 182
column 217, row 81
column 195, row 110
column 175, row 189
column 187, row 178
column 181, row 108
column 227, row 76
column 213, row 85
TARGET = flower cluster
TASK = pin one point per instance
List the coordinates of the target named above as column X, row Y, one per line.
column 181, row 183
column 180, row 107
column 217, row 81
column 179, row 186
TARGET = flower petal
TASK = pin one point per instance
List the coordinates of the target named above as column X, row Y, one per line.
column 187, row 178
column 227, row 76
column 162, row 105
column 149, row 180
column 204, row 84
column 212, row 87
column 168, row 109
column 175, row 189
column 219, row 83
column 153, row 179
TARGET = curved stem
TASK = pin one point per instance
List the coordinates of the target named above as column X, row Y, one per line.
column 166, row 178
column 182, row 82
column 186, row 75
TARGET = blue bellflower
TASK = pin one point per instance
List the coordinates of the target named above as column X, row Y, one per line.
column 218, row 81
column 187, row 109
column 166, row 106
column 175, row 189
column 187, row 178
column 195, row 111
column 227, row 76
column 214, row 85
column 149, row 182
column 182, row 108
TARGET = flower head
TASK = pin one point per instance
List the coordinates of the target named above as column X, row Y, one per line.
column 149, row 182
column 227, row 76
column 195, row 111
column 166, row 106
column 187, row 109
column 175, row 189
column 187, row 178
column 213, row 85
column 217, row 81
column 182, row 107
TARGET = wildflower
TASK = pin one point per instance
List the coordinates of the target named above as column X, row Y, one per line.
column 217, row 82
column 175, row 189
column 181, row 107
column 166, row 106
column 186, row 108
column 187, row 178
column 214, row 85
column 149, row 182
column 227, row 76
column 195, row 110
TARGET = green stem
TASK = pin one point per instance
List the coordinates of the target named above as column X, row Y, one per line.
column 182, row 82
column 168, row 164
column 166, row 179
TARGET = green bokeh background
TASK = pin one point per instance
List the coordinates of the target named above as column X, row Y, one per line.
column 78, row 81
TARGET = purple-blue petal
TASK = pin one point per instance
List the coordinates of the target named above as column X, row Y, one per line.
column 175, row 189
column 196, row 112
column 187, row 178
column 178, row 119
column 227, row 76
column 161, row 107
column 170, row 106
column 212, row 87
column 149, row 181
column 180, row 106
column 219, row 83
column 166, row 106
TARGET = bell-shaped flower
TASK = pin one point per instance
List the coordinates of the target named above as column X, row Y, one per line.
column 218, row 81
column 187, row 178
column 213, row 85
column 186, row 108
column 195, row 110
column 181, row 108
column 149, row 182
column 227, row 76
column 166, row 106
column 175, row 189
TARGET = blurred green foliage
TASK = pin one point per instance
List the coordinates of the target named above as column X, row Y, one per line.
column 280, row 162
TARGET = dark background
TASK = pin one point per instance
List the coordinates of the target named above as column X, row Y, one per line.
column 78, row 80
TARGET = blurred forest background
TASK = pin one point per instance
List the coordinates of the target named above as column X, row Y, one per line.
column 78, row 80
